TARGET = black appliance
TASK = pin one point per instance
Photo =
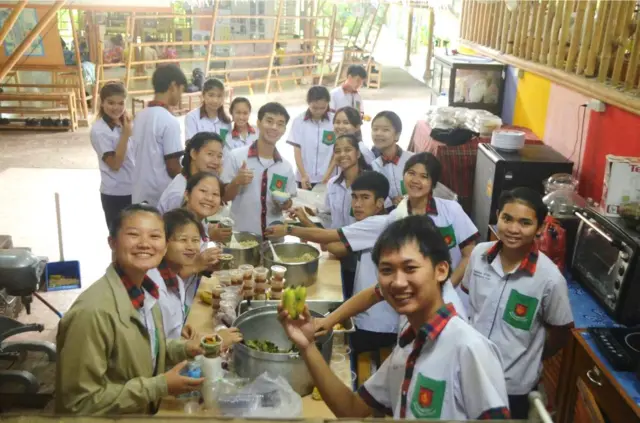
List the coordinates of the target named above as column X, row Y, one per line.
column 620, row 346
column 498, row 170
column 606, row 262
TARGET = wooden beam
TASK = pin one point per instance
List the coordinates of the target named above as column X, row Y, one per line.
column 432, row 23
column 622, row 37
column 537, row 38
column 564, row 35
column 276, row 32
column 596, row 44
column 585, row 86
column 585, row 46
column 332, row 28
column 76, row 44
column 407, row 59
column 607, row 43
column 632, row 69
column 26, row 43
column 11, row 19
column 212, row 36
column 581, row 6
column 131, row 46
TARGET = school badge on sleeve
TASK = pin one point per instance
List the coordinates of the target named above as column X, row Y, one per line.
column 328, row 137
column 278, row 183
column 520, row 310
column 428, row 398
column 449, row 236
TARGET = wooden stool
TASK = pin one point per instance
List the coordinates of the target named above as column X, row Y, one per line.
column 365, row 361
column 374, row 79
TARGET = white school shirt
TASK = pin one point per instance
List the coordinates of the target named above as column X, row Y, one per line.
column 337, row 202
column 197, row 120
column 105, row 139
column 315, row 140
column 146, row 317
column 253, row 209
column 340, row 99
column 394, row 171
column 156, row 137
column 366, row 152
column 235, row 140
column 360, row 237
column 512, row 309
column 172, row 304
column 456, row 376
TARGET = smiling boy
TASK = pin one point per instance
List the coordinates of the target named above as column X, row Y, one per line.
column 518, row 298
column 441, row 367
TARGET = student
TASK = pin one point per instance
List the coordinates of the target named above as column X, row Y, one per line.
column 347, row 120
column 156, row 136
column 386, row 128
column 376, row 327
column 313, row 138
column 243, row 133
column 255, row 171
column 347, row 94
column 441, row 367
column 516, row 292
column 210, row 117
column 120, row 313
column 203, row 197
column 110, row 139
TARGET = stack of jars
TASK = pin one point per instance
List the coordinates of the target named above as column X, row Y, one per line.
column 260, row 279
column 235, row 277
column 247, row 281
column 216, row 296
column 277, row 282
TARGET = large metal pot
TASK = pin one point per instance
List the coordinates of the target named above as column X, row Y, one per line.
column 245, row 255
column 304, row 274
column 262, row 324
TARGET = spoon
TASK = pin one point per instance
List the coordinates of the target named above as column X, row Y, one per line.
column 274, row 255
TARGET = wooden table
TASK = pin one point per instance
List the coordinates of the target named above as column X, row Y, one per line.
column 327, row 287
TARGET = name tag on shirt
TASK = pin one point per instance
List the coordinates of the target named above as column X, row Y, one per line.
column 278, row 183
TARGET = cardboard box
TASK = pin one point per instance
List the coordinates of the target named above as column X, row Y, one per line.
column 621, row 183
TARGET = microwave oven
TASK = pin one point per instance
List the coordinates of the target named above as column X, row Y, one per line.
column 606, row 262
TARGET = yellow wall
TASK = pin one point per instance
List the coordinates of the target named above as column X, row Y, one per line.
column 532, row 99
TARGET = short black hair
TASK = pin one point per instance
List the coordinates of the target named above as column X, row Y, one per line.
column 415, row 228
column 194, row 180
column 275, row 109
column 178, row 218
column 393, row 117
column 372, row 181
column 317, row 93
column 357, row 70
column 430, row 163
column 196, row 142
column 529, row 198
column 116, row 223
column 165, row 75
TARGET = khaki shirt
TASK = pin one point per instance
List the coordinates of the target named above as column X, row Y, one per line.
column 104, row 354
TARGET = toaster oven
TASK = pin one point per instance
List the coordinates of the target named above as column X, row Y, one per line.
column 606, row 263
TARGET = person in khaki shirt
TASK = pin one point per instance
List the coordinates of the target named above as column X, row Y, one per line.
column 111, row 345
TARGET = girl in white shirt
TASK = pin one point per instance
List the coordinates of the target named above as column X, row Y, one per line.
column 110, row 136
column 243, row 133
column 210, row 117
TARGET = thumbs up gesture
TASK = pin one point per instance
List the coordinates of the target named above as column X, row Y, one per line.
column 245, row 175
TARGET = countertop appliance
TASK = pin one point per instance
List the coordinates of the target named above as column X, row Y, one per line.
column 606, row 262
column 620, row 346
column 497, row 171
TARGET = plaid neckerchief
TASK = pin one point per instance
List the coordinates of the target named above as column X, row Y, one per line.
column 307, row 115
column 156, row 103
column 395, row 159
column 430, row 330
column 253, row 152
column 348, row 90
column 170, row 277
column 235, row 133
column 136, row 293
column 498, row 413
column 431, row 206
column 528, row 265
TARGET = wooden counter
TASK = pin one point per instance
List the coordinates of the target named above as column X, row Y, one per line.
column 327, row 287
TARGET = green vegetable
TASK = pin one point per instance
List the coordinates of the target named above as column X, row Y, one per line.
column 267, row 346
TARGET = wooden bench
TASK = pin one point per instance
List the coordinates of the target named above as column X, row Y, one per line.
column 62, row 103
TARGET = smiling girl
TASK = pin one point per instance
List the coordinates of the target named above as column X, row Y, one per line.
column 210, row 117
column 243, row 133
column 110, row 139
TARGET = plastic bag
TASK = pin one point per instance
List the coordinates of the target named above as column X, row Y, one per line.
column 552, row 241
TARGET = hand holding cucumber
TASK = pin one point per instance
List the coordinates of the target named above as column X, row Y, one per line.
column 295, row 318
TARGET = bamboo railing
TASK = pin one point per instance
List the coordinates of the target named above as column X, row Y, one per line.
column 588, row 45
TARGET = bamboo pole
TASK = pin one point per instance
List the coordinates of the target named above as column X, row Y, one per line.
column 518, row 30
column 553, row 37
column 546, row 36
column 526, row 22
column 499, row 22
column 585, row 46
column 513, row 24
column 132, row 46
column 76, row 43
column 326, row 44
column 540, row 23
column 622, row 35
column 26, row 43
column 564, row 34
column 99, row 78
column 483, row 28
column 212, row 36
column 432, row 22
column 407, row 58
column 473, row 11
column 632, row 69
column 576, row 36
column 533, row 20
column 506, row 18
column 11, row 19
column 603, row 12
column 276, row 32
column 607, row 47
column 464, row 19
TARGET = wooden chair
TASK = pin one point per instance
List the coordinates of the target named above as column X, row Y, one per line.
column 374, row 75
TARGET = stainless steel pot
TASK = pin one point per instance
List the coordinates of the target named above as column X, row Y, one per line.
column 262, row 324
column 304, row 274
column 245, row 255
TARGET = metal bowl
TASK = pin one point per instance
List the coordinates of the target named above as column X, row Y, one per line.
column 245, row 255
column 262, row 324
column 304, row 274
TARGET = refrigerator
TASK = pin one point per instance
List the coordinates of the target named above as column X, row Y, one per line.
column 498, row 171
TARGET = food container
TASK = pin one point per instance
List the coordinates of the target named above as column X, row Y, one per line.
column 277, row 285
column 280, row 197
column 305, row 273
column 260, row 274
column 260, row 288
column 275, row 295
column 278, row 272
column 211, row 345
column 226, row 261
column 262, row 323
column 244, row 255
column 247, row 271
column 223, row 277
column 236, row 277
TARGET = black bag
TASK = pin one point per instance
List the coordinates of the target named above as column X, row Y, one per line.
column 453, row 137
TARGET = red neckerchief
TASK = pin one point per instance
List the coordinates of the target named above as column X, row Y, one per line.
column 348, row 90
column 431, row 206
column 395, row 158
column 253, row 152
column 170, row 277
column 528, row 265
column 156, row 103
column 136, row 293
column 307, row 115
column 235, row 133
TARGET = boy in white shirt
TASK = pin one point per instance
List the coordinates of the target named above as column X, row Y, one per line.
column 441, row 367
column 347, row 94
column 156, row 137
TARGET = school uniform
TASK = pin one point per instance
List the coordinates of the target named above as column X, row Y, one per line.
column 368, row 155
column 235, row 139
column 512, row 309
column 198, row 120
column 444, row 370
column 393, row 169
column 172, row 299
column 156, row 137
column 315, row 140
column 115, row 186
column 344, row 96
column 254, row 209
